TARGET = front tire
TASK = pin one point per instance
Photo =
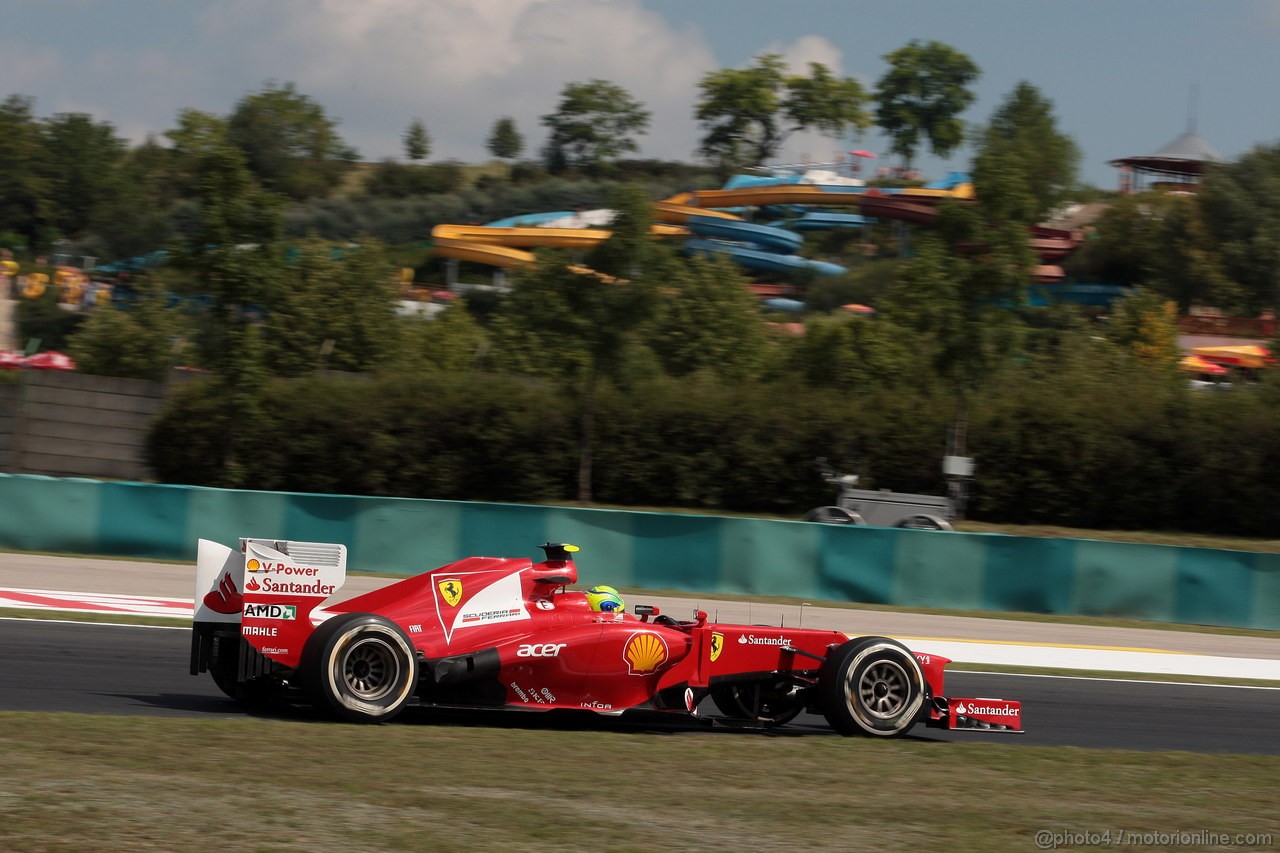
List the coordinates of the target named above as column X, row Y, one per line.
column 871, row 686
column 360, row 667
column 834, row 515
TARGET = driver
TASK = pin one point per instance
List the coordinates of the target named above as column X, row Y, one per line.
column 605, row 599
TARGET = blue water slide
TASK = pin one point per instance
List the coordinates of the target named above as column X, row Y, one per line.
column 764, row 236
column 758, row 260
column 740, row 181
column 530, row 220
column 821, row 220
column 950, row 182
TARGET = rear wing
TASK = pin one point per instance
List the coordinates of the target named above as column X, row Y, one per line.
column 270, row 587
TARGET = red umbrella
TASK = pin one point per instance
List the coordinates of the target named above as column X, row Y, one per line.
column 50, row 361
column 862, row 152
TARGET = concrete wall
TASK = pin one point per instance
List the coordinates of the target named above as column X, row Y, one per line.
column 8, row 321
column 8, row 423
column 68, row 424
column 661, row 551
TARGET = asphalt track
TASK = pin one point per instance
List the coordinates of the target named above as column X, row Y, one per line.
column 122, row 670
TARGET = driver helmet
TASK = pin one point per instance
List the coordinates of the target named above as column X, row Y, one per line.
column 605, row 599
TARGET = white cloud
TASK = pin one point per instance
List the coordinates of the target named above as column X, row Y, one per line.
column 811, row 147
column 460, row 65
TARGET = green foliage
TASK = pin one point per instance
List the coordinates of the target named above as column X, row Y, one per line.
column 1146, row 325
column 1074, row 434
column 26, row 206
column 746, row 114
column 390, row 179
column 505, row 141
column 335, row 309
column 594, row 123
column 289, row 143
column 1163, row 242
column 709, row 321
column 136, row 218
column 417, row 142
column 1023, row 136
column 137, row 339
column 433, row 436
column 1242, row 213
column 43, row 319
column 80, row 158
column 922, row 95
column 853, row 353
column 452, row 341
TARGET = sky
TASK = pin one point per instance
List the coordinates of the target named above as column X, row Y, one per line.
column 1119, row 72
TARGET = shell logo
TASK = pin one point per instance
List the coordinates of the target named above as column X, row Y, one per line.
column 644, row 653
column 253, row 565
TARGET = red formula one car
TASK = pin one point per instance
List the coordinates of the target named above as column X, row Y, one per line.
column 489, row 632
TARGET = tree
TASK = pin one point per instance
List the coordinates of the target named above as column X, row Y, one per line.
column 417, row 142
column 1024, row 133
column 1240, row 203
column 450, row 341
column 579, row 324
column 26, row 208
column 709, row 322
column 922, row 95
column 139, row 340
column 233, row 257
column 1163, row 242
column 505, row 141
column 594, row 123
column 335, row 310
column 748, row 113
column 289, row 142
column 81, row 157
column 137, row 218
column 853, row 353
column 1146, row 324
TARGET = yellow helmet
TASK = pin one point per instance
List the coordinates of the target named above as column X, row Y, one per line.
column 605, row 599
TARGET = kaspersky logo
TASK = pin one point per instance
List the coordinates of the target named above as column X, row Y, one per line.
column 451, row 591
column 717, row 645
column 989, row 710
column 644, row 653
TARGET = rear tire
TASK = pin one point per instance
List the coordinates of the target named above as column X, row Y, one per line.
column 924, row 521
column 360, row 667
column 872, row 686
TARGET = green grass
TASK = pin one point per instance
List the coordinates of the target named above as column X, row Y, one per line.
column 80, row 616
column 102, row 784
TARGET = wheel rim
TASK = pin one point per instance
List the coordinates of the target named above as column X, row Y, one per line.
column 884, row 689
column 370, row 669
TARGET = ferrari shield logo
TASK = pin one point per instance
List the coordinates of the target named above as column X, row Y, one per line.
column 451, row 591
column 717, row 645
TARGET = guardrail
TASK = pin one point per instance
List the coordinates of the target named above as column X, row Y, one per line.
column 661, row 551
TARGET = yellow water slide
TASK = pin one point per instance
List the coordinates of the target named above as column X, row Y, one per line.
column 505, row 247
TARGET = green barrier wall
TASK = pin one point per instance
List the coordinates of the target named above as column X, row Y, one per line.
column 662, row 551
